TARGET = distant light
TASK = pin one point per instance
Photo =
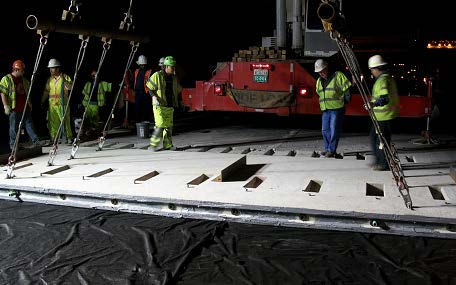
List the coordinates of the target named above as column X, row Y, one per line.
column 441, row 44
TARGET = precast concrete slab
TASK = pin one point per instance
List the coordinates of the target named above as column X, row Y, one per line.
column 253, row 187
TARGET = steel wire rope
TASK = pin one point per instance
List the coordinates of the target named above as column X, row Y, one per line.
column 79, row 60
column 106, row 46
column 12, row 157
column 101, row 140
column 389, row 150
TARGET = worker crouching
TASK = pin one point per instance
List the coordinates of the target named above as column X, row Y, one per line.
column 164, row 88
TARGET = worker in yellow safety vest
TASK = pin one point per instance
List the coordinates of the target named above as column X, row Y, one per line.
column 56, row 92
column 164, row 88
column 333, row 89
column 14, row 88
column 385, row 105
column 97, row 101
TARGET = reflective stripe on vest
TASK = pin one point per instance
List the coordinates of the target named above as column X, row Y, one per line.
column 385, row 85
column 332, row 97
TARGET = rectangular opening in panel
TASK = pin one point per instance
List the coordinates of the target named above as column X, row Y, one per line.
column 254, row 183
column 146, row 177
column 436, row 193
column 198, row 180
column 374, row 190
column 313, row 186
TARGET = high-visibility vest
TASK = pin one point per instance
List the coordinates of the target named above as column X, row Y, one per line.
column 385, row 85
column 58, row 94
column 332, row 96
column 157, row 83
column 103, row 87
column 8, row 88
column 146, row 77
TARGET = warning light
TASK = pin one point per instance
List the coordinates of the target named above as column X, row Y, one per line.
column 302, row 91
column 219, row 89
column 266, row 66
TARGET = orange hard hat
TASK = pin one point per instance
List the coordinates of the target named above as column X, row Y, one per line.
column 19, row 64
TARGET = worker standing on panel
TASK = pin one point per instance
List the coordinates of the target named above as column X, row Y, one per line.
column 14, row 88
column 385, row 105
column 164, row 88
column 56, row 93
column 333, row 90
column 96, row 102
column 142, row 99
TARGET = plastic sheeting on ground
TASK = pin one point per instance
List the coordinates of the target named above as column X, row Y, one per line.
column 45, row 244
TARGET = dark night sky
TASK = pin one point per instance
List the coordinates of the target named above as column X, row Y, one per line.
column 197, row 33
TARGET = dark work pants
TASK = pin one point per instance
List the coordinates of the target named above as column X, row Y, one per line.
column 385, row 128
column 143, row 107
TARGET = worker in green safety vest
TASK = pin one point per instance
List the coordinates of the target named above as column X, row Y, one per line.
column 164, row 88
column 96, row 102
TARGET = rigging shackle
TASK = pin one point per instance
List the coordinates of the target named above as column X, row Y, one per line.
column 73, row 11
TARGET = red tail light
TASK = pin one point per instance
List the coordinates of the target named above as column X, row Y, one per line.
column 219, row 89
column 302, row 91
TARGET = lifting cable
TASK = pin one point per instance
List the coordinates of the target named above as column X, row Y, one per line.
column 124, row 25
column 76, row 142
column 389, row 149
column 101, row 140
column 12, row 157
column 329, row 22
column 79, row 60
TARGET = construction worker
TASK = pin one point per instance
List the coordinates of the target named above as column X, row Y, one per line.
column 333, row 90
column 96, row 102
column 142, row 98
column 56, row 93
column 160, row 63
column 14, row 88
column 164, row 89
column 385, row 105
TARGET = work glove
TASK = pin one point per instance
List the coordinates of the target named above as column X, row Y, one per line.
column 7, row 109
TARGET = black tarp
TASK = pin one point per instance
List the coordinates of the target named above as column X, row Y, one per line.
column 46, row 244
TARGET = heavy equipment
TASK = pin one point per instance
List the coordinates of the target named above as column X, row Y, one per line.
column 278, row 76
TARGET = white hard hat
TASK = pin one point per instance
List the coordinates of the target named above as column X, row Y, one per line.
column 320, row 64
column 375, row 61
column 53, row 63
column 142, row 60
column 161, row 61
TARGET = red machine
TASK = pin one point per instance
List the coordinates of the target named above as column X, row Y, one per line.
column 284, row 88
column 279, row 77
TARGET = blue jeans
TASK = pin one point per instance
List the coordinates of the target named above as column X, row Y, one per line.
column 14, row 120
column 331, row 128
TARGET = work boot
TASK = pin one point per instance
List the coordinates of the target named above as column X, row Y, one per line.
column 379, row 167
column 329, row 154
column 39, row 143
